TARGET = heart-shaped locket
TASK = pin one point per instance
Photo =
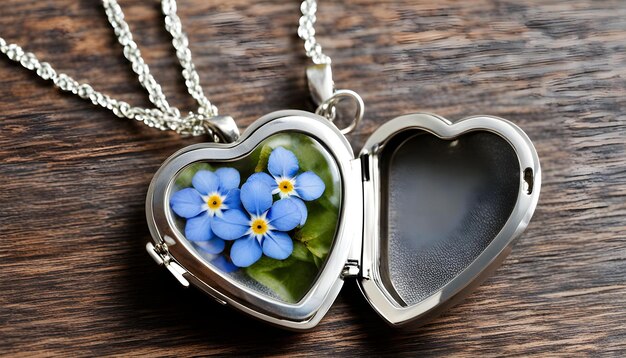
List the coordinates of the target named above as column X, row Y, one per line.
column 273, row 223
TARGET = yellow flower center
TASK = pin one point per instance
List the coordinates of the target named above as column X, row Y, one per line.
column 285, row 186
column 259, row 226
column 214, row 202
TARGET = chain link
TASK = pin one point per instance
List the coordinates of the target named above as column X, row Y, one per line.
column 181, row 45
column 115, row 15
column 319, row 75
column 164, row 116
column 306, row 31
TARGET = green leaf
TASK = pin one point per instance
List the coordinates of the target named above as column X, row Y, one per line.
column 290, row 279
column 318, row 262
column 300, row 252
column 264, row 157
column 319, row 230
column 184, row 178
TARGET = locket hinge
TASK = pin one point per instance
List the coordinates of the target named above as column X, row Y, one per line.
column 161, row 256
column 353, row 265
column 351, row 269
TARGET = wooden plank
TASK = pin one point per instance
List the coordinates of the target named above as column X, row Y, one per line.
column 75, row 279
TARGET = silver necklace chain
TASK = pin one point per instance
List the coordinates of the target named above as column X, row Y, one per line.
column 163, row 116
column 306, row 31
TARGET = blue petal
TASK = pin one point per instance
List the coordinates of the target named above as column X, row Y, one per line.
column 277, row 245
column 245, row 251
column 284, row 215
column 309, row 186
column 301, row 207
column 229, row 178
column 265, row 178
column 232, row 225
column 213, row 246
column 205, row 182
column 199, row 228
column 256, row 197
column 282, row 163
column 187, row 203
column 233, row 201
column 223, row 264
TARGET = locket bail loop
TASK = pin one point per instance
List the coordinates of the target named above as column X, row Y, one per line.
column 222, row 128
column 328, row 108
column 323, row 93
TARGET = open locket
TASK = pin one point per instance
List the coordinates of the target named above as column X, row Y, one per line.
column 426, row 211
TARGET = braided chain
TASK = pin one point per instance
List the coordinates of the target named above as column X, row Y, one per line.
column 164, row 116
column 115, row 15
column 181, row 45
column 306, row 31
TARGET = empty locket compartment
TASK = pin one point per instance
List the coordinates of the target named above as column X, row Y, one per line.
column 442, row 202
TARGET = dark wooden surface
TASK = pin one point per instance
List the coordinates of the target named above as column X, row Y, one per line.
column 74, row 276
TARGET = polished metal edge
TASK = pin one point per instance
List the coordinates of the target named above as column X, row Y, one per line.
column 371, row 281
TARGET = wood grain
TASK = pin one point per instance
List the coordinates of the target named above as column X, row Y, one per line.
column 74, row 276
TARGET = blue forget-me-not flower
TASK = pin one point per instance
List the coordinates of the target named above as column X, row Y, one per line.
column 212, row 195
column 261, row 228
column 286, row 182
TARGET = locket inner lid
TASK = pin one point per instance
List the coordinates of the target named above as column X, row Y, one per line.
column 442, row 206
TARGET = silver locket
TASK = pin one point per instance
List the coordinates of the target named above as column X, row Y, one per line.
column 425, row 212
